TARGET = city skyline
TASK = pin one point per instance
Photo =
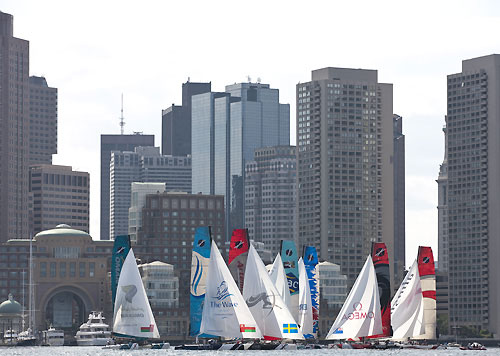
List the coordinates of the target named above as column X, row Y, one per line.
column 91, row 69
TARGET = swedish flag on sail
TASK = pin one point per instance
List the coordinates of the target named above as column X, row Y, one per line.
column 290, row 329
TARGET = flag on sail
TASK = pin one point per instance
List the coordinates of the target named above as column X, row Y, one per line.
column 238, row 252
column 121, row 246
column 407, row 307
column 380, row 258
column 427, row 273
column 311, row 264
column 360, row 315
column 305, row 305
column 225, row 309
column 290, row 263
column 199, row 268
column 268, row 309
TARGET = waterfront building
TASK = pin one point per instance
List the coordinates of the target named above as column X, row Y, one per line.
column 70, row 276
column 60, row 195
column 42, row 121
column 144, row 164
column 162, row 288
column 176, row 121
column 345, row 169
column 270, row 196
column 227, row 128
column 115, row 143
column 473, row 200
column 11, row 318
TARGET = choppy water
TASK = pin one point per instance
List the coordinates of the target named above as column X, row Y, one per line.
column 98, row 351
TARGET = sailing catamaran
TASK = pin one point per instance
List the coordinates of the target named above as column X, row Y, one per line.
column 133, row 317
column 225, row 312
column 268, row 309
column 360, row 315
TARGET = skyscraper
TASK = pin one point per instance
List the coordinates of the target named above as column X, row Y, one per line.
column 43, row 121
column 227, row 128
column 176, row 122
column 345, row 148
column 115, row 143
column 14, row 132
column 271, row 196
column 442, row 182
column 144, row 164
column 472, row 131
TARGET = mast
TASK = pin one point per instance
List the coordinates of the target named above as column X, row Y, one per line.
column 31, row 292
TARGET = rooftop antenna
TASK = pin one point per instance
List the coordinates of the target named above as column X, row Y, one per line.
column 122, row 119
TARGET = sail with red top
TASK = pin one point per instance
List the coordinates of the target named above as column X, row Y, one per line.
column 238, row 253
column 380, row 259
column 427, row 273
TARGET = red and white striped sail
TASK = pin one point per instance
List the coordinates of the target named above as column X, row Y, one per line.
column 428, row 281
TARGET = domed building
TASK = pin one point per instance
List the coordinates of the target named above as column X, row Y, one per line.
column 11, row 315
column 70, row 274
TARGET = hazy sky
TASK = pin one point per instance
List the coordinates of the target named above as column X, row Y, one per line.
column 93, row 51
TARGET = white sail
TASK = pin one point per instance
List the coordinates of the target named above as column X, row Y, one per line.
column 407, row 307
column 305, row 302
column 133, row 315
column 263, row 300
column 225, row 312
column 360, row 315
column 278, row 277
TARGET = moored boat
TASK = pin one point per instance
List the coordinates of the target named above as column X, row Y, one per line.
column 94, row 332
column 53, row 337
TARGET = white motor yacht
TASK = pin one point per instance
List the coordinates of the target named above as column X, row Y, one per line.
column 94, row 332
column 53, row 337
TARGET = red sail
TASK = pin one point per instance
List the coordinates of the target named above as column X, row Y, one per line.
column 425, row 261
column 380, row 259
column 238, row 252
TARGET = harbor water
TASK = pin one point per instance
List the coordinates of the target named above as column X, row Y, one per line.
column 98, row 351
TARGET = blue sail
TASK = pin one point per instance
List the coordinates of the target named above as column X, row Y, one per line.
column 311, row 262
column 290, row 264
column 121, row 248
column 199, row 269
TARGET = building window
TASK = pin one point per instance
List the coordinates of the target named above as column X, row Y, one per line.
column 91, row 269
column 62, row 269
column 72, row 269
column 52, row 269
column 82, row 269
column 43, row 269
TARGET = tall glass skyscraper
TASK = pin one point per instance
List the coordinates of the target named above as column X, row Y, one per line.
column 226, row 129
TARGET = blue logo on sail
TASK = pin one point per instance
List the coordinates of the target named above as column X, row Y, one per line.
column 222, row 291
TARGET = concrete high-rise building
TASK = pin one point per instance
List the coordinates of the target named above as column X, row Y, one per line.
column 43, row 121
column 176, row 122
column 472, row 127
column 115, row 143
column 399, row 254
column 60, row 196
column 139, row 191
column 144, row 164
column 270, row 196
column 345, row 148
column 14, row 132
column 227, row 128
column 442, row 182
